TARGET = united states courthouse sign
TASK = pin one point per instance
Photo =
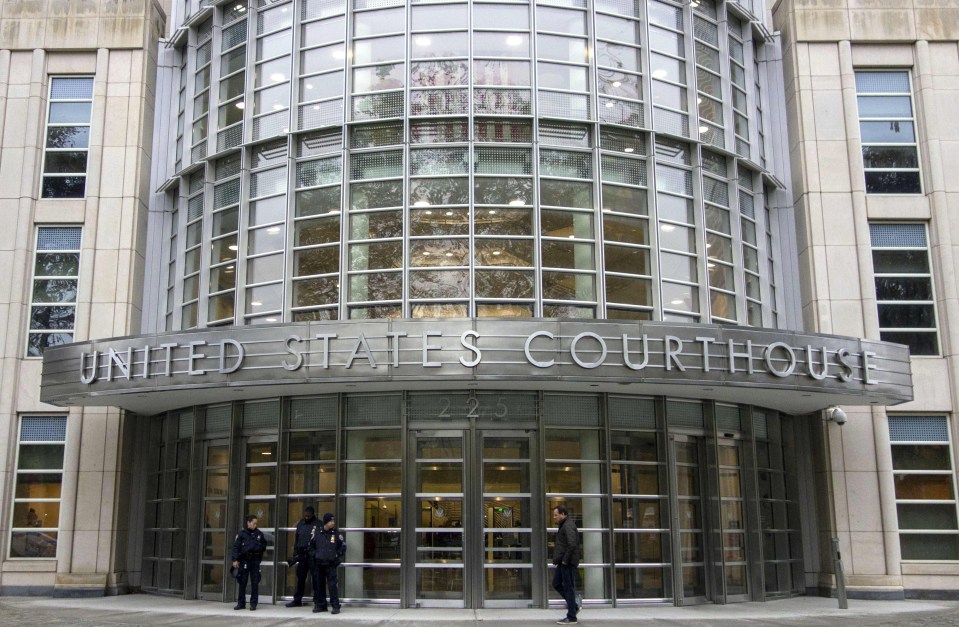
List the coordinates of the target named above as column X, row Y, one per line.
column 793, row 372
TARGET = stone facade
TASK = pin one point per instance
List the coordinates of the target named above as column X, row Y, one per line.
column 116, row 44
column 824, row 42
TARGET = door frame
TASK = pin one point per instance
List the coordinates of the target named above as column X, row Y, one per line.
column 474, row 567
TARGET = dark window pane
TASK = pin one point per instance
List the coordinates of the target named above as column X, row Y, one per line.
column 57, row 264
column 903, row 288
column 929, row 547
column 55, row 290
column 627, row 260
column 889, row 157
column 68, row 137
column 64, row 186
column 33, row 544
column 916, row 516
column 38, row 486
column 36, row 342
column 924, row 487
column 919, row 343
column 65, row 162
column 51, row 317
column 887, row 132
column 907, row 316
column 900, row 261
column 40, row 457
column 920, row 457
column 893, row 183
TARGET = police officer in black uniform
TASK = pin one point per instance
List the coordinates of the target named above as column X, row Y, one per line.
column 329, row 552
column 248, row 549
column 303, row 547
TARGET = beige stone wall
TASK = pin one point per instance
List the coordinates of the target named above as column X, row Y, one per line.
column 823, row 42
column 116, row 42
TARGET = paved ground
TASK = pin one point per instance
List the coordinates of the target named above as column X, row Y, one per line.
column 141, row 609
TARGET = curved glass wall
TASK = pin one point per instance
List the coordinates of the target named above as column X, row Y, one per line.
column 382, row 158
column 445, row 498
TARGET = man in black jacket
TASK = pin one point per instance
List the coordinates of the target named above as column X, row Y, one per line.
column 303, row 546
column 248, row 549
column 566, row 558
column 330, row 549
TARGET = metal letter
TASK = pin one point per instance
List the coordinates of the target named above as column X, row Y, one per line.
column 84, row 378
column 326, row 348
column 818, row 376
column 193, row 356
column 630, row 364
column 706, row 342
column 240, row 354
column 472, row 348
column 395, row 345
column 296, row 353
column 768, row 357
column 428, row 347
column 845, row 366
column 168, row 359
column 672, row 355
column 529, row 356
column 748, row 355
column 146, row 362
column 113, row 357
column 866, row 367
column 361, row 343
column 580, row 362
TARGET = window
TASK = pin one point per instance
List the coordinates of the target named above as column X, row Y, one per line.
column 925, row 487
column 67, row 138
column 53, row 300
column 36, row 498
column 887, row 127
column 904, row 296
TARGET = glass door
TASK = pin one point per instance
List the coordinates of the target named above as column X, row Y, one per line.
column 440, row 509
column 473, row 545
column 214, row 553
column 689, row 520
column 505, row 517
column 259, row 499
column 733, row 522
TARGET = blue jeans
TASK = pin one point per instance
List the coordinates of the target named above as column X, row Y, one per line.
column 251, row 571
column 564, row 582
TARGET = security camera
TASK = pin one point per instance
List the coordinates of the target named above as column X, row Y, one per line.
column 837, row 415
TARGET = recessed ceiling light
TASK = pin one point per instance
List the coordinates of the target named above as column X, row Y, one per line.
column 273, row 230
column 628, row 149
column 256, row 303
column 616, row 83
column 492, row 212
column 676, row 301
column 496, row 252
column 517, row 202
column 449, row 254
column 421, row 203
column 660, row 73
column 703, row 129
column 426, row 253
column 232, row 247
column 241, row 105
column 667, row 228
column 309, row 85
column 277, row 77
column 610, row 104
column 277, row 106
column 449, row 213
column 271, row 319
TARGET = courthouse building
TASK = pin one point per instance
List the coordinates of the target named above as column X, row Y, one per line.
column 682, row 267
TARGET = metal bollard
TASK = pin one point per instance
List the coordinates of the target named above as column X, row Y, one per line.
column 840, row 576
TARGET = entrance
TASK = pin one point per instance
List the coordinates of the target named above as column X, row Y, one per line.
column 708, row 524
column 474, row 518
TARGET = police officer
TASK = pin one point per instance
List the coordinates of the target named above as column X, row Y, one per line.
column 329, row 552
column 248, row 549
column 303, row 547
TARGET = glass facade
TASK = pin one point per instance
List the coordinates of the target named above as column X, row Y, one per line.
column 444, row 499
column 469, row 159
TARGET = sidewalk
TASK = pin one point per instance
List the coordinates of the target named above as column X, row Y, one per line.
column 142, row 609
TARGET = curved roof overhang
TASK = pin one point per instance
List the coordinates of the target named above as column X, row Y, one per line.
column 792, row 372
